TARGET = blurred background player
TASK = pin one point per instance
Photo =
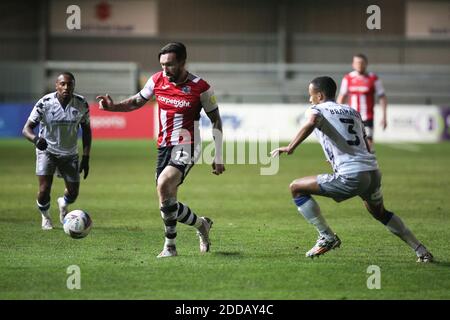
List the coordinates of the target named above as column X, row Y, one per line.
column 359, row 89
column 59, row 115
column 180, row 96
column 340, row 131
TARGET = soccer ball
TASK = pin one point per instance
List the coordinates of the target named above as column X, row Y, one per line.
column 77, row 224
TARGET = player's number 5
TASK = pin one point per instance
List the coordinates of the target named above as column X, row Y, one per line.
column 351, row 123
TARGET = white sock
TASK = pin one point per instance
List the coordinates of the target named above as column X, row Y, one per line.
column 308, row 208
column 397, row 227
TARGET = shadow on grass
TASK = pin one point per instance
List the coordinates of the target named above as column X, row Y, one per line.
column 235, row 254
column 441, row 263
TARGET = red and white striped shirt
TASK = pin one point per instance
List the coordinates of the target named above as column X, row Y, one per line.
column 361, row 90
column 179, row 107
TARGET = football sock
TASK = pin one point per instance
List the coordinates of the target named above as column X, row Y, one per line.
column 187, row 216
column 43, row 208
column 308, row 207
column 169, row 209
column 397, row 227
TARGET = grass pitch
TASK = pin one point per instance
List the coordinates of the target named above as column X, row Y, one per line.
column 258, row 239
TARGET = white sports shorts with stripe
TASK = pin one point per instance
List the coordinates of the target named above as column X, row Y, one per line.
column 67, row 165
column 366, row 184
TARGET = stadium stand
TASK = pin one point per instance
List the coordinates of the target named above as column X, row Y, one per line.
column 412, row 84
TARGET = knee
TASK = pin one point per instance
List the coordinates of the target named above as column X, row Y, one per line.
column 164, row 186
column 295, row 190
column 381, row 215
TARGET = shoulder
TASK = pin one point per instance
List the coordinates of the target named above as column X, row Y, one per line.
column 200, row 83
column 79, row 97
column 314, row 110
column 372, row 76
column 48, row 97
column 46, row 100
column 352, row 74
column 157, row 77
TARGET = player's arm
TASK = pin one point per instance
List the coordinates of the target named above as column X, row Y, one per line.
column 28, row 132
column 129, row 104
column 87, row 142
column 383, row 104
column 380, row 93
column 306, row 129
column 342, row 97
column 216, row 120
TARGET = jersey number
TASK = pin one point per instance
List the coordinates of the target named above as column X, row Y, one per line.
column 351, row 123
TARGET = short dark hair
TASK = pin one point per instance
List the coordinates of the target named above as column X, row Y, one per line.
column 326, row 85
column 362, row 56
column 176, row 47
column 67, row 73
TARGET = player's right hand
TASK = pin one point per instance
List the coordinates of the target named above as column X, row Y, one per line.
column 105, row 102
column 276, row 152
column 40, row 143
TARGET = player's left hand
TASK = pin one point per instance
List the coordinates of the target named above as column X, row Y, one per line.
column 384, row 123
column 84, row 165
column 218, row 168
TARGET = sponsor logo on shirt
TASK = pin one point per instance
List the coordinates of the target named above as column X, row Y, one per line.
column 174, row 102
column 359, row 88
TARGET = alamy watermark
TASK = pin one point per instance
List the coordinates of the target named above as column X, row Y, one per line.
column 73, row 21
column 253, row 148
column 374, row 280
column 373, row 22
column 74, row 279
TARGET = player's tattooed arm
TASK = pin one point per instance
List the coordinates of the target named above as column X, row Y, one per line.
column 216, row 120
column 129, row 104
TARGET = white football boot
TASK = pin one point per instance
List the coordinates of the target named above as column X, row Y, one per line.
column 168, row 251
column 323, row 245
column 46, row 223
column 203, row 234
column 62, row 209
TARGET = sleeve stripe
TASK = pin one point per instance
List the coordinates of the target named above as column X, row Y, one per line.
column 143, row 96
column 216, row 108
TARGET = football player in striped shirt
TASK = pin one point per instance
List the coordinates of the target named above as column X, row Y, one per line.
column 360, row 89
column 60, row 114
column 180, row 96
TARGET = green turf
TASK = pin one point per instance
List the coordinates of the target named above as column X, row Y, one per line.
column 258, row 238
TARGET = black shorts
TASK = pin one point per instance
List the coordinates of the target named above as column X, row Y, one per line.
column 182, row 157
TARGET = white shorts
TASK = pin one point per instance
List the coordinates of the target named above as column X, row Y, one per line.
column 47, row 163
column 366, row 185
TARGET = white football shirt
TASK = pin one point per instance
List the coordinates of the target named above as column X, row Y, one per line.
column 341, row 133
column 59, row 126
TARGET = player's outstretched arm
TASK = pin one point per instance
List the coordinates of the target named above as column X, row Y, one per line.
column 307, row 128
column 129, row 104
